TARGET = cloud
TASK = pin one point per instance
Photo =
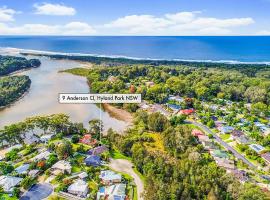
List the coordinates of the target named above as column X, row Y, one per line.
column 6, row 14
column 72, row 28
column 181, row 23
column 54, row 9
column 263, row 32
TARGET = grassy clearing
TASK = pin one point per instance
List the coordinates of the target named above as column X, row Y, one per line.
column 77, row 71
column 225, row 136
column 116, row 154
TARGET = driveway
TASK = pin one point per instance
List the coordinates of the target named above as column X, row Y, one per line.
column 38, row 192
column 224, row 144
column 125, row 166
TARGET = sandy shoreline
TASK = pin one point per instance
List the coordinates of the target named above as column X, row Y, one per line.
column 118, row 113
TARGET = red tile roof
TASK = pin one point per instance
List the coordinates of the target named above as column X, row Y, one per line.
column 196, row 132
column 87, row 139
column 187, row 111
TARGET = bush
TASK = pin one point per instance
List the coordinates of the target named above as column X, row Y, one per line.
column 75, row 139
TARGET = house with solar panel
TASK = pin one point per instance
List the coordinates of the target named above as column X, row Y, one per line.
column 256, row 147
column 79, row 188
column 109, row 177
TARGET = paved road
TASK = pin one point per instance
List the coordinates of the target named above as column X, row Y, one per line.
column 125, row 166
column 224, row 144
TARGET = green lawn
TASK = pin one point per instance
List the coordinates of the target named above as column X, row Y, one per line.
column 7, row 197
column 116, row 154
column 225, row 136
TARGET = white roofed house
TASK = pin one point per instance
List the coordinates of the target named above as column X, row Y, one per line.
column 79, row 188
column 113, row 192
column 225, row 129
column 256, row 147
column 9, row 182
column 61, row 166
column 46, row 138
column 41, row 156
column 109, row 177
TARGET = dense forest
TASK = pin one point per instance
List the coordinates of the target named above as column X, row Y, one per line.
column 175, row 166
column 12, row 88
column 9, row 64
column 250, row 86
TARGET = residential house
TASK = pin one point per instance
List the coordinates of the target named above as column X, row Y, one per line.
column 113, row 192
column 256, row 147
column 88, row 140
column 242, row 140
column 109, row 177
column 61, row 166
column 9, row 182
column 93, row 160
column 79, row 188
column 240, row 137
column 33, row 173
column 187, row 111
column 204, row 139
column 219, row 154
column 174, row 107
column 266, row 157
column 158, row 108
column 196, row 132
column 23, row 169
column 224, row 163
column 97, row 150
column 29, row 138
column 219, row 124
column 83, row 175
column 241, row 175
column 17, row 146
column 46, row 138
column 236, row 133
column 44, row 155
column 265, row 130
column 176, row 98
column 225, row 129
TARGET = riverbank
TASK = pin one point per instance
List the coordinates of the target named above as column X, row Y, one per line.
column 13, row 88
column 118, row 113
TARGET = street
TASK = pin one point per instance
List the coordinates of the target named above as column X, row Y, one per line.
column 224, row 144
column 125, row 166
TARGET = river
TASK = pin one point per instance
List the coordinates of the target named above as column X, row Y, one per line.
column 42, row 98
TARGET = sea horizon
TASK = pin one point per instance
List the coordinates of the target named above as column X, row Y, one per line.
column 218, row 49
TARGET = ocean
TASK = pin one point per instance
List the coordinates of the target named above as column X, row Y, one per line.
column 254, row 49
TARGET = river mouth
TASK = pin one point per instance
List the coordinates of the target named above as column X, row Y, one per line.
column 42, row 97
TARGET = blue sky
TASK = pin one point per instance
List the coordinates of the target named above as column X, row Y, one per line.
column 140, row 17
